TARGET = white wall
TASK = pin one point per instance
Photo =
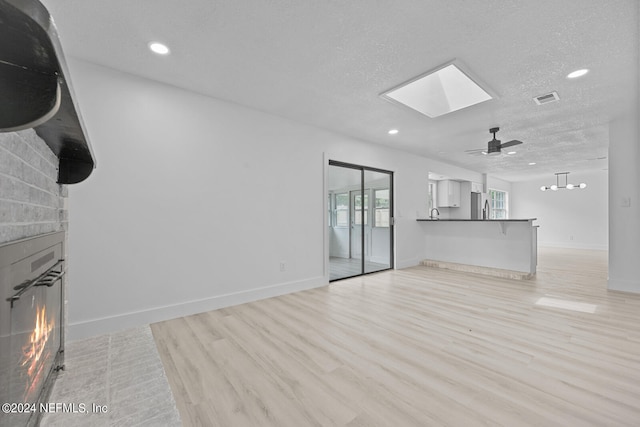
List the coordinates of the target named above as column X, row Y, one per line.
column 494, row 183
column 196, row 202
column 624, row 203
column 624, row 188
column 567, row 218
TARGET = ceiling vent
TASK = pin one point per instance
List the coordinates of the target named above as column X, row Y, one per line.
column 547, row 98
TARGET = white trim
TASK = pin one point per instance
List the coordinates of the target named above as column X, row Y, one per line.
column 623, row 285
column 326, row 230
column 123, row 321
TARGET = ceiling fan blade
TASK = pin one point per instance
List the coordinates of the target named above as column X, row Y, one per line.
column 477, row 152
column 510, row 143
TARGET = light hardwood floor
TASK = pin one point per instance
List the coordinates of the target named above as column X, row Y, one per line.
column 416, row 347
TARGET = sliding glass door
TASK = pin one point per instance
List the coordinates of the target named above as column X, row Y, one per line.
column 378, row 234
column 360, row 206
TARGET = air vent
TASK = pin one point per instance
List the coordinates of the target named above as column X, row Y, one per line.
column 547, row 98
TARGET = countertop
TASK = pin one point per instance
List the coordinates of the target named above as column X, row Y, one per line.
column 479, row 220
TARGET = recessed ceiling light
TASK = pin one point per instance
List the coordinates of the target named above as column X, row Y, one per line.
column 532, row 163
column 393, row 131
column 511, row 152
column 159, row 48
column 439, row 92
column 577, row 73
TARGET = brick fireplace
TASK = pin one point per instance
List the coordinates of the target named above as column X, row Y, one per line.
column 32, row 205
column 31, row 201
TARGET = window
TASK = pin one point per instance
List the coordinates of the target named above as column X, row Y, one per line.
column 358, row 207
column 499, row 204
column 342, row 210
column 381, row 208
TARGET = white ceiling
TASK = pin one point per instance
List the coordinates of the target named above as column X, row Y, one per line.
column 326, row 63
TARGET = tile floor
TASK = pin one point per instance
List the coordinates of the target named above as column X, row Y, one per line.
column 121, row 372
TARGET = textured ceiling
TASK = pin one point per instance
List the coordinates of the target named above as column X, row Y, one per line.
column 326, row 63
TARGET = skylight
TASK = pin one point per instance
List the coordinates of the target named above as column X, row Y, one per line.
column 440, row 92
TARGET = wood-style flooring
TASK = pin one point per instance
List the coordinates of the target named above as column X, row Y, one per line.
column 417, row 347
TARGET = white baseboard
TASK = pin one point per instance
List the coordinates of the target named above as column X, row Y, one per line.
column 574, row 245
column 105, row 325
column 406, row 263
column 624, row 285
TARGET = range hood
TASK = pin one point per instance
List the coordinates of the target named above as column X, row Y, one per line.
column 35, row 91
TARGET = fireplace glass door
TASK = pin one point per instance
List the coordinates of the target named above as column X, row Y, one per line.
column 31, row 324
column 35, row 340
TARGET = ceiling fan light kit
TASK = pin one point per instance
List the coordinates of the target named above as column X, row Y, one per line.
column 566, row 185
column 494, row 147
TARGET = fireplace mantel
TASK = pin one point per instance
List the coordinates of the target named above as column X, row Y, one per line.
column 37, row 92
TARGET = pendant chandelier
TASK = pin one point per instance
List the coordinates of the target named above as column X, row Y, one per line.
column 557, row 185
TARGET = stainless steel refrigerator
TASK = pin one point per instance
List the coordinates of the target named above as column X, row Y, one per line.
column 476, row 205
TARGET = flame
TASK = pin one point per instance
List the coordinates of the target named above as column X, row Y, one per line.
column 35, row 351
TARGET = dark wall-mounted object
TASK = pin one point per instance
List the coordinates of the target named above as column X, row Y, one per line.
column 35, row 90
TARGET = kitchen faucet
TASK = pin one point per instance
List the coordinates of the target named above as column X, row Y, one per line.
column 431, row 213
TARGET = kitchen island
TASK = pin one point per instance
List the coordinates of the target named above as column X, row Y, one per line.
column 500, row 247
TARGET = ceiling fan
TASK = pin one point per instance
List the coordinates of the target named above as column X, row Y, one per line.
column 494, row 146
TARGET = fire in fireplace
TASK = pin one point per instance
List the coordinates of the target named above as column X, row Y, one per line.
column 37, row 352
column 31, row 324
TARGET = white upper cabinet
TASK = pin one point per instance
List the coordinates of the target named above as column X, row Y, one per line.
column 448, row 194
column 476, row 187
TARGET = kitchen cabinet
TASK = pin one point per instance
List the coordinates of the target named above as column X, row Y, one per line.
column 476, row 187
column 448, row 194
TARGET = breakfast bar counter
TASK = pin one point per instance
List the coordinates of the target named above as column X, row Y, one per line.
column 501, row 247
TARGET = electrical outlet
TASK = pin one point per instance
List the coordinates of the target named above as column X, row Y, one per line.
column 282, row 266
